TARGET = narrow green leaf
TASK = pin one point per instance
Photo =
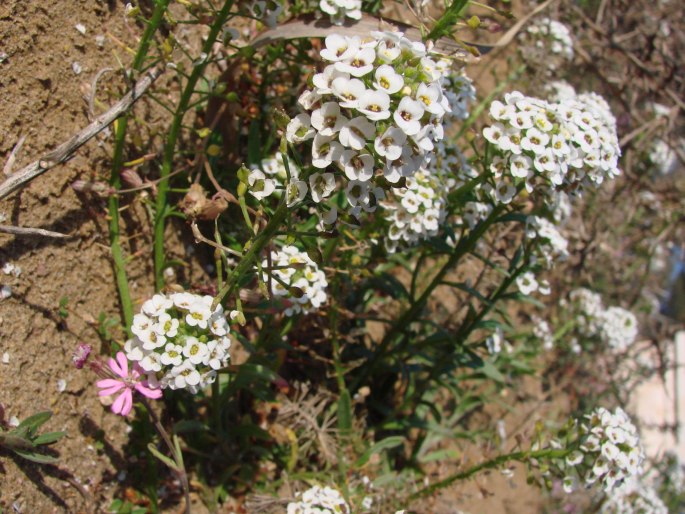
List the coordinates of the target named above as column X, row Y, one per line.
column 385, row 444
column 35, row 457
column 345, row 412
column 32, row 423
column 49, row 437
column 166, row 460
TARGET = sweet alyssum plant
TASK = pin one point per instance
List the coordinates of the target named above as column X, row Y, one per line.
column 356, row 174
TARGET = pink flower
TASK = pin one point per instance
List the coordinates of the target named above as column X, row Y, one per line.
column 126, row 384
column 81, row 355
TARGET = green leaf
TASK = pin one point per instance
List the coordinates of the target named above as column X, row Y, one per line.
column 189, row 425
column 33, row 423
column 490, row 371
column 166, row 460
column 448, row 20
column 385, row 444
column 35, row 457
column 249, row 374
column 512, row 216
column 345, row 412
column 49, row 438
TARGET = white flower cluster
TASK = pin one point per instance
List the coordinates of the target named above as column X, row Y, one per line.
column 609, row 452
column 614, row 326
column 547, row 41
column 663, row 157
column 416, row 211
column 319, row 500
column 263, row 180
column 296, row 278
column 180, row 340
column 633, row 497
column 340, row 9
column 547, row 146
column 543, row 331
column 550, row 244
column 460, row 94
column 378, row 104
column 618, row 327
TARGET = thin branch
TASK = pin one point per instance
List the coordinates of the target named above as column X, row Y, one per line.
column 29, row 231
column 64, row 151
column 7, row 170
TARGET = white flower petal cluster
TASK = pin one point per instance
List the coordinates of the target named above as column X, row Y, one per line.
column 550, row 244
column 548, row 41
column 416, row 211
column 274, row 168
column 296, row 278
column 543, row 331
column 340, row 9
column 460, row 94
column 180, row 340
column 319, row 500
column 546, row 147
column 614, row 326
column 663, row 157
column 618, row 327
column 610, row 449
column 635, row 496
column 376, row 109
column 560, row 90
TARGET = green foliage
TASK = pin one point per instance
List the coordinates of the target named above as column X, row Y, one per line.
column 26, row 442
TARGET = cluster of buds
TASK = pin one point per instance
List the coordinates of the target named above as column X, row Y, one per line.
column 296, row 278
column 546, row 146
column 372, row 118
column 319, row 500
column 180, row 340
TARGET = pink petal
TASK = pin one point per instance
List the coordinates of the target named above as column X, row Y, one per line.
column 143, row 389
column 118, row 404
column 108, row 382
column 128, row 403
column 111, row 390
column 123, row 362
column 115, row 367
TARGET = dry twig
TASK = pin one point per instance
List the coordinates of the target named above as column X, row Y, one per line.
column 64, row 151
column 29, row 231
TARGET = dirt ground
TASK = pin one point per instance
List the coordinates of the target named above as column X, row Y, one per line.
column 41, row 98
column 65, row 285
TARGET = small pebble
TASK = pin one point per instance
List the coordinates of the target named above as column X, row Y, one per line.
column 5, row 292
column 121, row 476
column 61, row 385
column 14, row 421
column 80, row 27
column 5, row 358
column 3, row 57
column 76, row 67
column 100, row 41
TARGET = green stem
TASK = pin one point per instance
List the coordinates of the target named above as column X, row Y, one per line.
column 173, row 449
column 115, row 179
column 256, row 244
column 410, row 315
column 520, row 456
column 161, row 211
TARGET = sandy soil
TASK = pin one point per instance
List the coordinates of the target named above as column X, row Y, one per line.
column 41, row 98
